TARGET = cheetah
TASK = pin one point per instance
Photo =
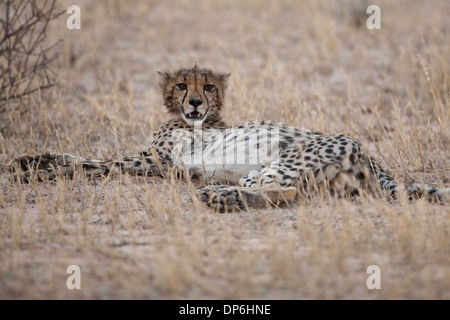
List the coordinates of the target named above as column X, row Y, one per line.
column 253, row 164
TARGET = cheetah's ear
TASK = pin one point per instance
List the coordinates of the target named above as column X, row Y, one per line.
column 163, row 78
column 224, row 79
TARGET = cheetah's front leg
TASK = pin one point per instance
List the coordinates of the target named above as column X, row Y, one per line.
column 226, row 198
column 49, row 166
column 46, row 166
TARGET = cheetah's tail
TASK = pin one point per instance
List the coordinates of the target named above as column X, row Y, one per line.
column 414, row 191
column 432, row 194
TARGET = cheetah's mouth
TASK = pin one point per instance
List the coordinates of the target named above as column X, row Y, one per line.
column 194, row 115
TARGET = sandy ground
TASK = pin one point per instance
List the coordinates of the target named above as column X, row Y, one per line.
column 309, row 64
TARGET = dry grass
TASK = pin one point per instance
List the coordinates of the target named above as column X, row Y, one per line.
column 308, row 63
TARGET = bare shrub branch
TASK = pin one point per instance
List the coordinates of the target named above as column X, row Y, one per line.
column 25, row 57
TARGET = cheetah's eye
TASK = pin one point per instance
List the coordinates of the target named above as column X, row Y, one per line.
column 208, row 87
column 182, row 86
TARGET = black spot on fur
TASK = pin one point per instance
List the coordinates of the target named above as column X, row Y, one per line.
column 360, row 176
column 283, row 144
column 89, row 166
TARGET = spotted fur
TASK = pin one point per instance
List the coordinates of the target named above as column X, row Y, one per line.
column 302, row 163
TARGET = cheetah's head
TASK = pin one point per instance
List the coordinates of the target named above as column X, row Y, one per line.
column 194, row 94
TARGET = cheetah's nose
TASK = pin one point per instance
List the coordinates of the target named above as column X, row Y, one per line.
column 195, row 102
